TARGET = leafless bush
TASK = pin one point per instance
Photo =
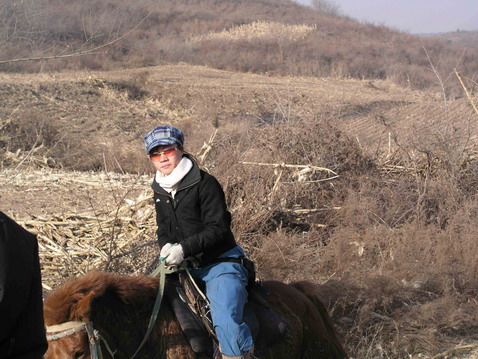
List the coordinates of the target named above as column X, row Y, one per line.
column 395, row 251
column 29, row 132
column 326, row 6
column 266, row 186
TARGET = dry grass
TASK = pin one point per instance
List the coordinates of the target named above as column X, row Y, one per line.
column 373, row 197
column 71, row 244
column 260, row 30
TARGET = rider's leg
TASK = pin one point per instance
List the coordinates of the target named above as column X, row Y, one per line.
column 226, row 290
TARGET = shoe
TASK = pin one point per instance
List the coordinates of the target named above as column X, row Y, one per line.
column 248, row 355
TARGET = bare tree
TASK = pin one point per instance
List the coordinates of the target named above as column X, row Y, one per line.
column 329, row 7
column 17, row 21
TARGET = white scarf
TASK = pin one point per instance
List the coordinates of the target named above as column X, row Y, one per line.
column 170, row 182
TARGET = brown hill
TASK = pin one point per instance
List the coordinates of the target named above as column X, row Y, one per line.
column 267, row 36
column 461, row 38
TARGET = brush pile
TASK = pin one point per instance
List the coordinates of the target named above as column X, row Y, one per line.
column 120, row 240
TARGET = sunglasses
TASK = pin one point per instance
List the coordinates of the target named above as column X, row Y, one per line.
column 168, row 152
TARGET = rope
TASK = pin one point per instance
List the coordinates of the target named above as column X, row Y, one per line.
column 162, row 270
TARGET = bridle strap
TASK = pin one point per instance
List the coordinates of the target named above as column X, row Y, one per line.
column 63, row 330
column 94, row 342
column 67, row 329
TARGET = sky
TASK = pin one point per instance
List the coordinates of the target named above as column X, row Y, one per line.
column 413, row 16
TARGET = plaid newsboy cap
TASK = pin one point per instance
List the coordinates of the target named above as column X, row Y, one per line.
column 163, row 136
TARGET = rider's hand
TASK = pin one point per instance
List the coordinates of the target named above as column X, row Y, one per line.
column 165, row 251
column 176, row 255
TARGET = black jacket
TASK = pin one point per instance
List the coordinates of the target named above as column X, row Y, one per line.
column 197, row 217
column 22, row 332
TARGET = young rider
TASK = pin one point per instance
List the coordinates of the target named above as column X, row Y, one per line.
column 194, row 224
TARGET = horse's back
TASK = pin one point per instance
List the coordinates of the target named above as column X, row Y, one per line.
column 307, row 318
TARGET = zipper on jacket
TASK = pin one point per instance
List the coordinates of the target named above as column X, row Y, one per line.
column 189, row 185
column 181, row 189
column 174, row 203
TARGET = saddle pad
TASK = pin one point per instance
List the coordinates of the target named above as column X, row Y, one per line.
column 191, row 324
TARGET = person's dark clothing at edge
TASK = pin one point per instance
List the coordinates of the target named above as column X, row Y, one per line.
column 22, row 331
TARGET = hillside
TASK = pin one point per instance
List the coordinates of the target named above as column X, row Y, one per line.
column 461, row 38
column 382, row 218
column 275, row 37
column 55, row 109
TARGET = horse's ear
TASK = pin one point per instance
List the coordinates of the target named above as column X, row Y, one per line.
column 82, row 308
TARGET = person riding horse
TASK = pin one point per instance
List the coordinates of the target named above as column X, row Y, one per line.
column 194, row 224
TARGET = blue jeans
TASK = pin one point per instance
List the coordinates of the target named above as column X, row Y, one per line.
column 225, row 284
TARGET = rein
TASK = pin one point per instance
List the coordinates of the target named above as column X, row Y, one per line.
column 67, row 329
column 162, row 270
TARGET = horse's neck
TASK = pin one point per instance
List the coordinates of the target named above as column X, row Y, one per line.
column 123, row 323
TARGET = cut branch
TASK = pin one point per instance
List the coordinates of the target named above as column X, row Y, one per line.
column 316, row 168
column 466, row 92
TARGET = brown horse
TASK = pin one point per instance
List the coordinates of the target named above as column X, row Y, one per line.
column 119, row 308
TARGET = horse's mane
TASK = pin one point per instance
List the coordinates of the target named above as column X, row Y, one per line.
column 59, row 304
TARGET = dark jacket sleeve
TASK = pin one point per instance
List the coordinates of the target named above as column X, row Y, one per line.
column 22, row 331
column 161, row 231
column 161, row 234
column 215, row 218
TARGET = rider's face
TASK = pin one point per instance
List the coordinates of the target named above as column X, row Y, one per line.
column 166, row 158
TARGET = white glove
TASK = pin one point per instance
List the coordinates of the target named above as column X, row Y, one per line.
column 176, row 255
column 165, row 251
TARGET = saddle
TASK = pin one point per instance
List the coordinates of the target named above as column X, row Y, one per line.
column 192, row 310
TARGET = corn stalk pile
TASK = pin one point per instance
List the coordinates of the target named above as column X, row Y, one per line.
column 121, row 240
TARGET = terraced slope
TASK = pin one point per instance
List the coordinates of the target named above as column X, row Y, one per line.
column 93, row 113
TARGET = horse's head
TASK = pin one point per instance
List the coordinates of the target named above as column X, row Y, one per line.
column 109, row 302
column 67, row 332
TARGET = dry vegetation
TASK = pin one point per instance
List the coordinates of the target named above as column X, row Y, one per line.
column 460, row 37
column 260, row 31
column 366, row 187
column 159, row 32
column 372, row 197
